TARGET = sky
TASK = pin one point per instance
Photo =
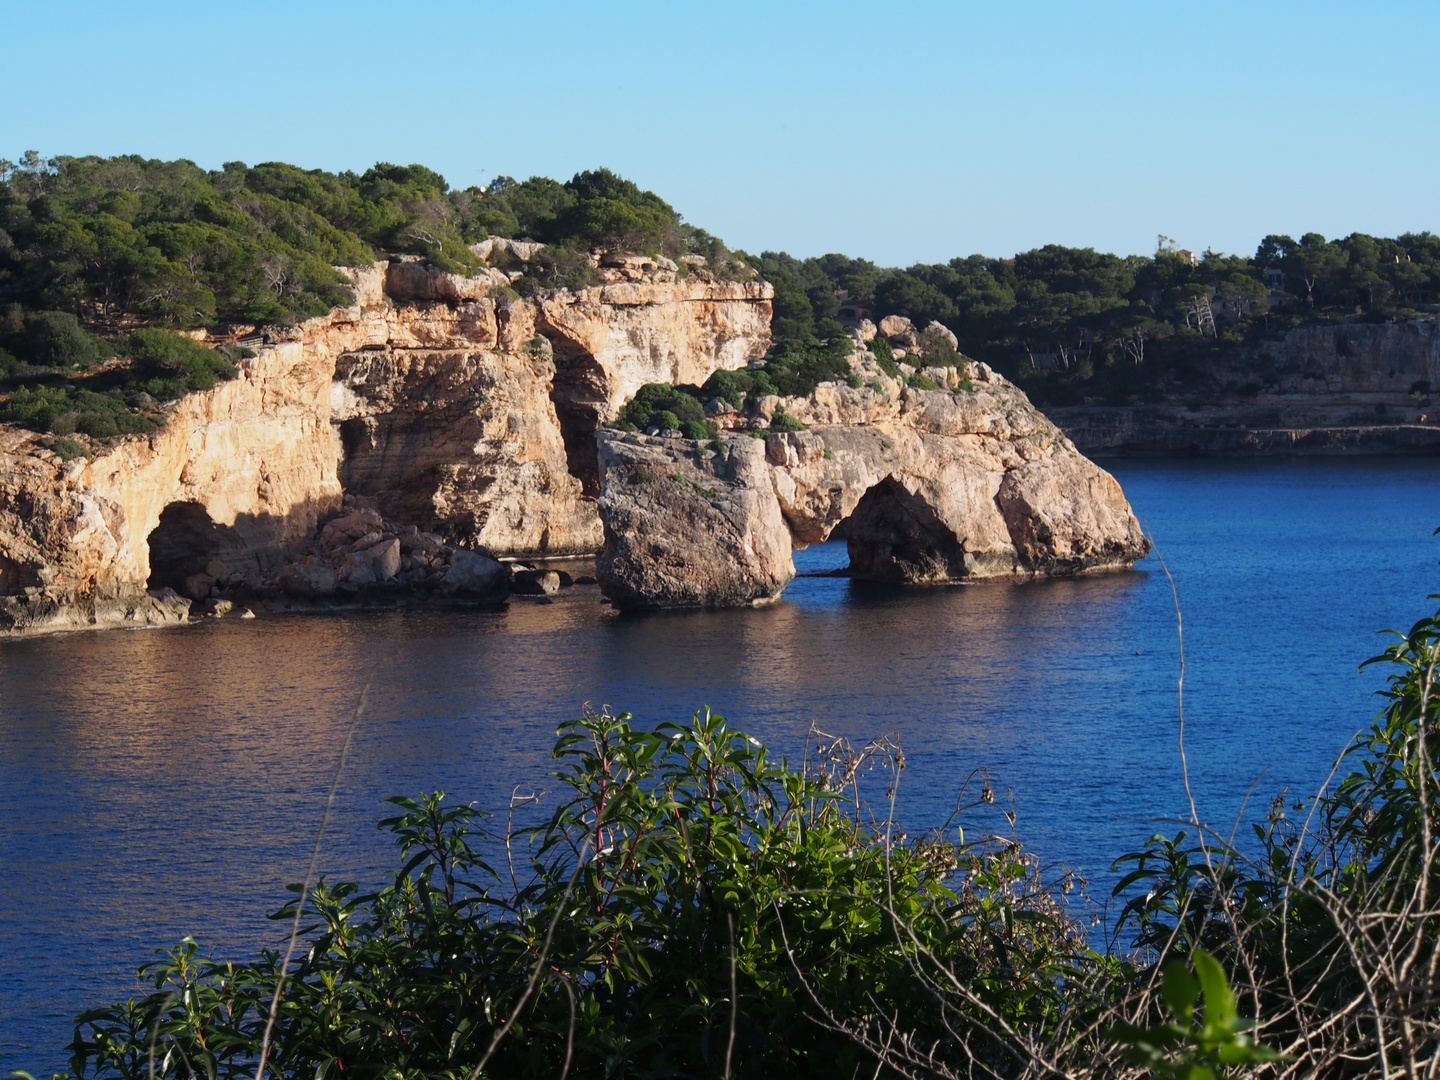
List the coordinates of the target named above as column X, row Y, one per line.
column 901, row 132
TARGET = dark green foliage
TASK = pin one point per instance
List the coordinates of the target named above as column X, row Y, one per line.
column 880, row 349
column 176, row 245
column 558, row 266
column 36, row 406
column 1071, row 323
column 163, row 364
column 668, row 408
column 796, row 369
column 920, row 382
column 68, row 449
column 674, row 893
column 783, row 421
column 170, row 365
column 64, row 412
column 55, row 339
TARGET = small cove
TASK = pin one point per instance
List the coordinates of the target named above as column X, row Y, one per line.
column 161, row 783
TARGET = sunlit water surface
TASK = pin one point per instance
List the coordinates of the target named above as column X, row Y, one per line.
column 160, row 783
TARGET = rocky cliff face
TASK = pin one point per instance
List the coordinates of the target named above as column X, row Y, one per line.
column 1356, row 388
column 925, row 486
column 447, row 409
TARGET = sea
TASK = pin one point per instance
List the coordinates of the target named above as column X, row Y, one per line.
column 169, row 782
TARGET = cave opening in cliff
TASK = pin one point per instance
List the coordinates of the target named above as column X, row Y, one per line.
column 182, row 544
column 894, row 536
column 578, row 396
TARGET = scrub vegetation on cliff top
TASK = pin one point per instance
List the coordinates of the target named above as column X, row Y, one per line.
column 99, row 256
column 692, row 907
column 92, row 248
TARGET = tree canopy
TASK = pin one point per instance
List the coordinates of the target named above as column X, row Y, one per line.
column 170, row 244
column 1070, row 322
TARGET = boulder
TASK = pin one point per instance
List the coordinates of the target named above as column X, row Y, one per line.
column 691, row 529
column 939, row 332
column 385, row 559
column 893, row 326
column 477, row 575
column 535, row 582
column 308, row 581
column 197, row 586
column 866, row 331
column 357, row 569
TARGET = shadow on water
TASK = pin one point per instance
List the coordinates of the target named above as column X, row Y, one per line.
column 161, row 783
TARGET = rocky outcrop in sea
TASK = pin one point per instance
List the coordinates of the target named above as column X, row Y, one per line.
column 400, row 447
column 965, row 483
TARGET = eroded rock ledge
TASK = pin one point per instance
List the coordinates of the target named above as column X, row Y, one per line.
column 924, row 485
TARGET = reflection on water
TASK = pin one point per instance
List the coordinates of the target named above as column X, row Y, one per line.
column 168, row 782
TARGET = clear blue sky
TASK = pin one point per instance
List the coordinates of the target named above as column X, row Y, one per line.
column 900, row 131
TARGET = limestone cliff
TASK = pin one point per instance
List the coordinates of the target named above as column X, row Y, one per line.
column 924, row 485
column 449, row 410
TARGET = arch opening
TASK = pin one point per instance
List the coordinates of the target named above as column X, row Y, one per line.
column 893, row 537
column 182, row 545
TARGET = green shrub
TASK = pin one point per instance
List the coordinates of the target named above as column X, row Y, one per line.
column 783, row 421
column 36, row 406
column 664, row 406
column 165, row 362
column 920, row 382
column 884, row 357
column 68, row 449
column 55, row 339
column 674, row 895
column 696, row 429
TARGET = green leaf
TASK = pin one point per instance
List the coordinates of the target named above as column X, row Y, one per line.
column 1220, row 1001
column 1179, row 989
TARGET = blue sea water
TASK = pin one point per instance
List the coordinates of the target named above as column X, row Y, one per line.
column 160, row 783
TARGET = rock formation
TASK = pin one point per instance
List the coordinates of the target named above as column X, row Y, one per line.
column 964, row 483
column 459, row 412
column 690, row 527
column 395, row 448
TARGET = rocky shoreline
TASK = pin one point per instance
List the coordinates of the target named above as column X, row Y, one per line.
column 398, row 450
column 1334, row 391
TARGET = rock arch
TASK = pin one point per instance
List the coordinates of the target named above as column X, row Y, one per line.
column 184, row 542
column 893, row 535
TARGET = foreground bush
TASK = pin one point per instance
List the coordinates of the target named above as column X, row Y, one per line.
column 670, row 907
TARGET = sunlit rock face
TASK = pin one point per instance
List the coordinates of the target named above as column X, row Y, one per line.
column 449, row 410
column 690, row 528
column 925, row 486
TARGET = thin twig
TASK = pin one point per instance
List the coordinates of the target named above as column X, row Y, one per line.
column 310, row 875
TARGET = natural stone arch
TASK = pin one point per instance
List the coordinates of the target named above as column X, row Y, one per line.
column 182, row 545
column 894, row 535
